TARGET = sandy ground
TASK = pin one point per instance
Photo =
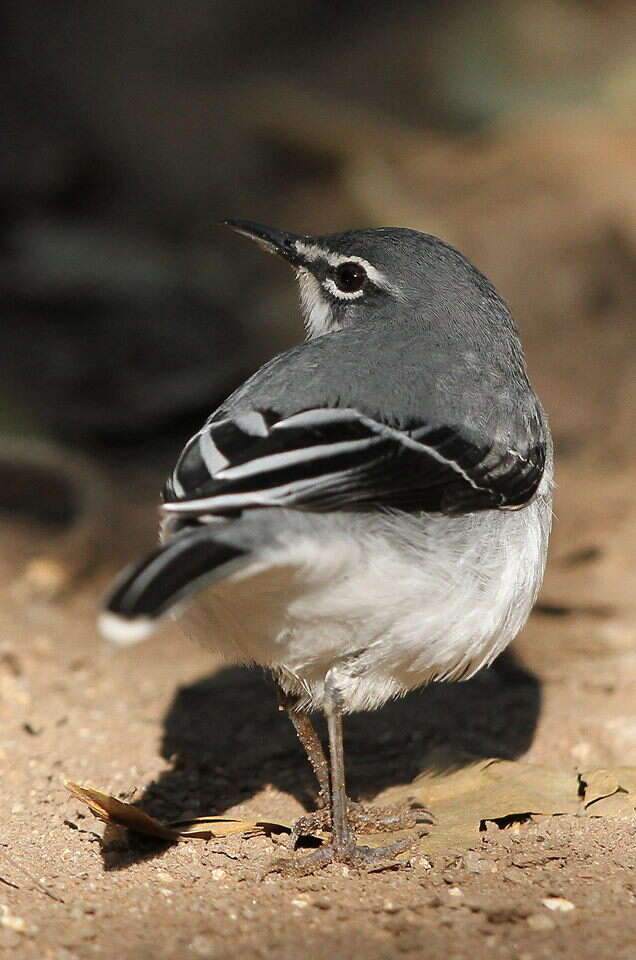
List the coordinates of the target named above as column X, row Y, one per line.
column 161, row 723
column 165, row 725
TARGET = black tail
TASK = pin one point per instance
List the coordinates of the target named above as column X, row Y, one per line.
column 147, row 590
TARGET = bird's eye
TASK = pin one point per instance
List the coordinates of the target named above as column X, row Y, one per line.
column 350, row 276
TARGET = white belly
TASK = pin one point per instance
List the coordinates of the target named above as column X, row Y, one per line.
column 389, row 602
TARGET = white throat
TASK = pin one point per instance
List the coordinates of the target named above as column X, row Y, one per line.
column 316, row 309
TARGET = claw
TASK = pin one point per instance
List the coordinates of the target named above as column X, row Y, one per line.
column 366, row 858
column 361, row 818
column 310, row 824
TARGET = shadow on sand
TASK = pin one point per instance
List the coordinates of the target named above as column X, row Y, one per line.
column 226, row 739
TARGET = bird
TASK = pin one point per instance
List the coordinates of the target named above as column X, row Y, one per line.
column 370, row 511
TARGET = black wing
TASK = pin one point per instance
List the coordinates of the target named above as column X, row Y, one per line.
column 339, row 459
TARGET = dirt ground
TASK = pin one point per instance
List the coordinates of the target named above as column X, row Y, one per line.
column 508, row 130
column 163, row 724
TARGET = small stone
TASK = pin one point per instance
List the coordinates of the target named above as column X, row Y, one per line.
column 218, row 873
column 11, row 922
column 514, row 875
column 559, row 904
column 455, row 892
column 474, row 863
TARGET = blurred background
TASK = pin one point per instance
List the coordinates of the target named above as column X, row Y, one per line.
column 506, row 127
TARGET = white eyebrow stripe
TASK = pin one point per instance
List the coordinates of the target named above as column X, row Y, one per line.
column 312, row 252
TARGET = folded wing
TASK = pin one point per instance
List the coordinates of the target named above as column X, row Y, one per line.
column 328, row 458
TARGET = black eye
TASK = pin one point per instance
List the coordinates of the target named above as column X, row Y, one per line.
column 350, row 277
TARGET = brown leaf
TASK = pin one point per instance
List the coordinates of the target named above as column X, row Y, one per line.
column 598, row 784
column 205, row 828
column 111, row 810
column 463, row 792
column 626, row 777
column 610, row 793
column 619, row 805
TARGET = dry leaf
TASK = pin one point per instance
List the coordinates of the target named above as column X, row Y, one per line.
column 619, row 805
column 116, row 811
column 111, row 810
column 610, row 793
column 599, row 784
column 626, row 776
column 463, row 793
column 206, row 828
column 595, row 781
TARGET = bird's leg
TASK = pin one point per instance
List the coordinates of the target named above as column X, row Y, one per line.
column 311, row 742
column 316, row 755
column 343, row 841
column 347, row 815
column 338, row 812
column 342, row 848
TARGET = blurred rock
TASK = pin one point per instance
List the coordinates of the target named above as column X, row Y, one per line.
column 113, row 332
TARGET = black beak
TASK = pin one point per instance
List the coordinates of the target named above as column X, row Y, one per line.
column 271, row 239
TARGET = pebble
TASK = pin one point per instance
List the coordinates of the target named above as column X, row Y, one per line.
column 389, row 907
column 474, row 863
column 559, row 904
column 11, row 922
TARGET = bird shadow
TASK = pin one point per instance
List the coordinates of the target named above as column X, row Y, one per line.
column 226, row 740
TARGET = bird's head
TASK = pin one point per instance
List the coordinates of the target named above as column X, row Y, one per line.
column 358, row 275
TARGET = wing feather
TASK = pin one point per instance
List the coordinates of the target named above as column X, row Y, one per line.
column 339, row 459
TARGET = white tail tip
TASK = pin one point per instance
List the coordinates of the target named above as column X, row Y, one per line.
column 123, row 632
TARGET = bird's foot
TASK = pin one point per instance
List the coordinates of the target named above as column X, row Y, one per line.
column 361, row 818
column 351, row 855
